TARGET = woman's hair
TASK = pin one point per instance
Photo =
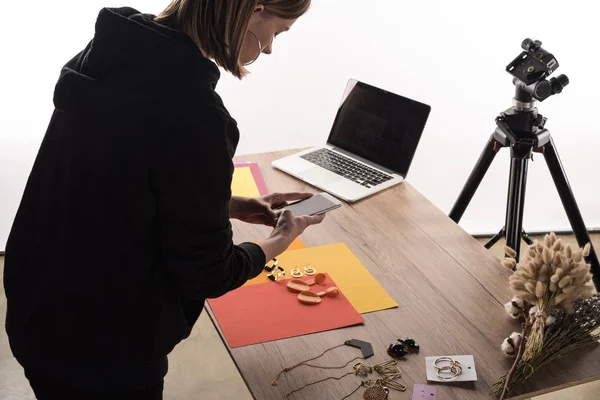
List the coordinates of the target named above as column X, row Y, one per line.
column 218, row 27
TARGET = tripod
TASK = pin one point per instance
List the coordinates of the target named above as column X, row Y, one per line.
column 522, row 129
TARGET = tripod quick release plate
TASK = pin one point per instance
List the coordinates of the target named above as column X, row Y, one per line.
column 531, row 68
column 532, row 65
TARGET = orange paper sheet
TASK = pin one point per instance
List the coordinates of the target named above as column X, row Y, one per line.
column 354, row 280
column 261, row 313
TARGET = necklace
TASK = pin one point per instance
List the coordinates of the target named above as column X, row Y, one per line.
column 375, row 389
column 365, row 348
column 275, row 381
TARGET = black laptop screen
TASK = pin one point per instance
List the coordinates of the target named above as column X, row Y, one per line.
column 380, row 126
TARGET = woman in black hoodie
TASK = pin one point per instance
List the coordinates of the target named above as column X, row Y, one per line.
column 124, row 226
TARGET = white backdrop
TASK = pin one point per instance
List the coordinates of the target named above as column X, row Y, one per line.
column 449, row 54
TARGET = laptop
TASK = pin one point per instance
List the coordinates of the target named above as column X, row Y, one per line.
column 371, row 145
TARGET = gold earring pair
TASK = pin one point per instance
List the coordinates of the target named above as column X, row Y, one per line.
column 296, row 273
column 452, row 366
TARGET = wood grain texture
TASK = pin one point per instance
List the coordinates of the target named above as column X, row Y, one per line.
column 450, row 290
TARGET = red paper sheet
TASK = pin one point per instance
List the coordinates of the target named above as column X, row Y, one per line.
column 269, row 311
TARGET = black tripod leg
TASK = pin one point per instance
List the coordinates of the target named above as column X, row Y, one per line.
column 516, row 202
column 568, row 200
column 481, row 167
column 495, row 239
column 526, row 238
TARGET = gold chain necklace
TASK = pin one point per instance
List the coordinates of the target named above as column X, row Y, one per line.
column 376, row 389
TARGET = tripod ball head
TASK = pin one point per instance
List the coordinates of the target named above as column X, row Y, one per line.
column 543, row 89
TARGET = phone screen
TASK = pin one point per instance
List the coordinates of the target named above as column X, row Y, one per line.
column 311, row 206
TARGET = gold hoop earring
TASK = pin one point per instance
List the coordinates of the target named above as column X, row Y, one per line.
column 259, row 48
column 453, row 366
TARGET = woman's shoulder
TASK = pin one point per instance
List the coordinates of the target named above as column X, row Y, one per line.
column 200, row 104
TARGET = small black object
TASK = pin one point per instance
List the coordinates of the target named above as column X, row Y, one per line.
column 410, row 344
column 397, row 350
column 365, row 347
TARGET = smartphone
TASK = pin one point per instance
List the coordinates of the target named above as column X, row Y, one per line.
column 315, row 205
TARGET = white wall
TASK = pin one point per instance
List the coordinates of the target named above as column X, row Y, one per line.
column 449, row 54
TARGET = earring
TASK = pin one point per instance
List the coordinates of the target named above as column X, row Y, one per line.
column 309, row 271
column 259, row 48
column 453, row 366
column 410, row 343
column 396, row 350
column 280, row 274
column 296, row 273
column 400, row 349
column 272, row 268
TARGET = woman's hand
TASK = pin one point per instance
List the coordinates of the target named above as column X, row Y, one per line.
column 288, row 228
column 260, row 210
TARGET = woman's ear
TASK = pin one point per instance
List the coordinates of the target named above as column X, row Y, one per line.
column 259, row 8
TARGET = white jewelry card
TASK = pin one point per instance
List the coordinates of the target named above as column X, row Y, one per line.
column 467, row 363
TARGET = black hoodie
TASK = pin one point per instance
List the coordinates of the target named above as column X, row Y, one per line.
column 123, row 230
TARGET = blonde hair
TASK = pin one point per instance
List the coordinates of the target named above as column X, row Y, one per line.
column 218, row 27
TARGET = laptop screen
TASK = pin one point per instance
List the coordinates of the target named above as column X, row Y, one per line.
column 379, row 126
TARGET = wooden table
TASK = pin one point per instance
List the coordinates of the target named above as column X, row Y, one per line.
column 449, row 288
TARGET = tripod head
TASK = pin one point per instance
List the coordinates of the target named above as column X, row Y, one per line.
column 521, row 127
column 530, row 70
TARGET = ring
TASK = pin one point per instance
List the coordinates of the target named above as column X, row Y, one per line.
column 296, row 273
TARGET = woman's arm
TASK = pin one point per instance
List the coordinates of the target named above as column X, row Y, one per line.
column 193, row 192
column 235, row 206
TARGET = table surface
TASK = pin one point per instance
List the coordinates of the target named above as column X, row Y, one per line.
column 449, row 288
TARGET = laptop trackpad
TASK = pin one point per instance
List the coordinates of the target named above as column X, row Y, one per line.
column 320, row 176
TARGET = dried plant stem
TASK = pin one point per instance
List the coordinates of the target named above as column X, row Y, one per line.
column 571, row 331
column 535, row 340
column 517, row 360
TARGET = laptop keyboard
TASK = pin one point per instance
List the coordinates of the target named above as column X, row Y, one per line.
column 346, row 167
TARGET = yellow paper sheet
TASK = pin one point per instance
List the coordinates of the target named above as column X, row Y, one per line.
column 296, row 245
column 352, row 278
column 243, row 183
